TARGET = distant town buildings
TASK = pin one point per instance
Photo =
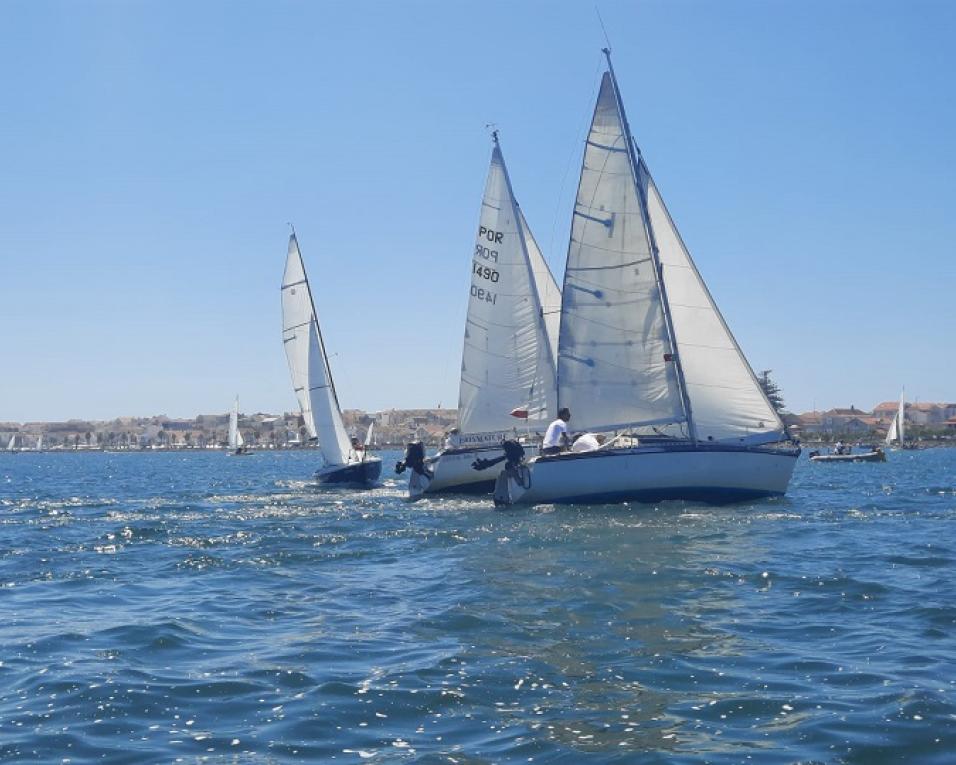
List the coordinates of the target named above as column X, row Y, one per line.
column 395, row 427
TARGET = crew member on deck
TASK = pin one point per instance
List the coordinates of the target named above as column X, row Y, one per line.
column 556, row 439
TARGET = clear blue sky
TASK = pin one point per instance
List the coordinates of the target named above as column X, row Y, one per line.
column 151, row 154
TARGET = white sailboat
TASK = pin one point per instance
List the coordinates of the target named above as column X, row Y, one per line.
column 12, row 443
column 236, row 444
column 312, row 381
column 39, row 446
column 896, row 434
column 508, row 357
column 644, row 353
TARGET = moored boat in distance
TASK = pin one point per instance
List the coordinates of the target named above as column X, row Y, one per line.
column 507, row 385
column 645, row 356
column 312, row 382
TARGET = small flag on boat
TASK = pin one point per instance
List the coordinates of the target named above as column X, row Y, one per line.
column 521, row 414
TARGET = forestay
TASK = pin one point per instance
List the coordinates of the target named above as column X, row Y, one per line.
column 305, row 351
column 615, row 361
column 507, row 358
column 727, row 402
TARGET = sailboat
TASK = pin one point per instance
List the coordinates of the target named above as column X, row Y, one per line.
column 39, row 446
column 508, row 357
column 12, row 444
column 236, row 444
column 644, row 354
column 896, row 435
column 312, row 381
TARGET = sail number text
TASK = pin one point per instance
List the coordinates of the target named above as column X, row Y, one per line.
column 479, row 293
column 485, row 272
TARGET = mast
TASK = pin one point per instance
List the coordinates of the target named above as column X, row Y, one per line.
column 634, row 157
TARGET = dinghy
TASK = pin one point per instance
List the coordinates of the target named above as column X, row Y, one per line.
column 312, row 382
column 874, row 455
column 645, row 356
column 237, row 447
column 507, row 386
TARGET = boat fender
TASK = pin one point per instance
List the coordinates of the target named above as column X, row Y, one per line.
column 414, row 459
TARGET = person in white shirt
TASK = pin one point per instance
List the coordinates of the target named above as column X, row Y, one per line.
column 587, row 442
column 556, row 438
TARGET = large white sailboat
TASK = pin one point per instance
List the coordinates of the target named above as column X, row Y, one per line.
column 896, row 434
column 235, row 442
column 507, row 383
column 312, row 381
column 645, row 355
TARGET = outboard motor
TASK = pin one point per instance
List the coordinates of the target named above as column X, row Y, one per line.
column 515, row 479
column 414, row 460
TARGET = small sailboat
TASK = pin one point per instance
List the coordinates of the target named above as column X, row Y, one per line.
column 12, row 444
column 645, row 356
column 507, row 384
column 236, row 444
column 896, row 435
column 39, row 446
column 312, row 381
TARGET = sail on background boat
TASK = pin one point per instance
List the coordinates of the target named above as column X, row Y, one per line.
column 235, row 436
column 508, row 356
column 308, row 364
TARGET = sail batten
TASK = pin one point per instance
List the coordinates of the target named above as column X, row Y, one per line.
column 308, row 363
column 508, row 352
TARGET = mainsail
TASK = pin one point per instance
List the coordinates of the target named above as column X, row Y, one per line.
column 896, row 431
column 508, row 355
column 235, row 436
column 615, row 357
column 308, row 364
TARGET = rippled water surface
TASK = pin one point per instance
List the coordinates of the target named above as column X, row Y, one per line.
column 193, row 607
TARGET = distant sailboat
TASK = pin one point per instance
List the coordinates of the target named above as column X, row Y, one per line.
column 39, row 446
column 644, row 354
column 12, row 443
column 896, row 435
column 508, row 355
column 236, row 444
column 312, row 381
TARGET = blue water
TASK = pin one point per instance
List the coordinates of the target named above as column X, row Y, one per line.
column 192, row 607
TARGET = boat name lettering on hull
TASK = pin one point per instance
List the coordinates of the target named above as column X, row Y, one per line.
column 479, row 293
column 484, row 252
column 490, row 235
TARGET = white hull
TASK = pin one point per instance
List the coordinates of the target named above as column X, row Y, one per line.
column 706, row 473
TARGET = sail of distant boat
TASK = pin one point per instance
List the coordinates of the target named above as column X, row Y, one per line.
column 508, row 357
column 368, row 434
column 39, row 445
column 308, row 363
column 235, row 435
column 895, row 434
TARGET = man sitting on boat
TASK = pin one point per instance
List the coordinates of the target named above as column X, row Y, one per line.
column 587, row 442
column 556, row 439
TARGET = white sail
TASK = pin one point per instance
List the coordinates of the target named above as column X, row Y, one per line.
column 12, row 442
column 308, row 364
column 368, row 434
column 39, row 446
column 549, row 293
column 895, row 433
column 727, row 402
column 507, row 359
column 615, row 361
column 235, row 437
